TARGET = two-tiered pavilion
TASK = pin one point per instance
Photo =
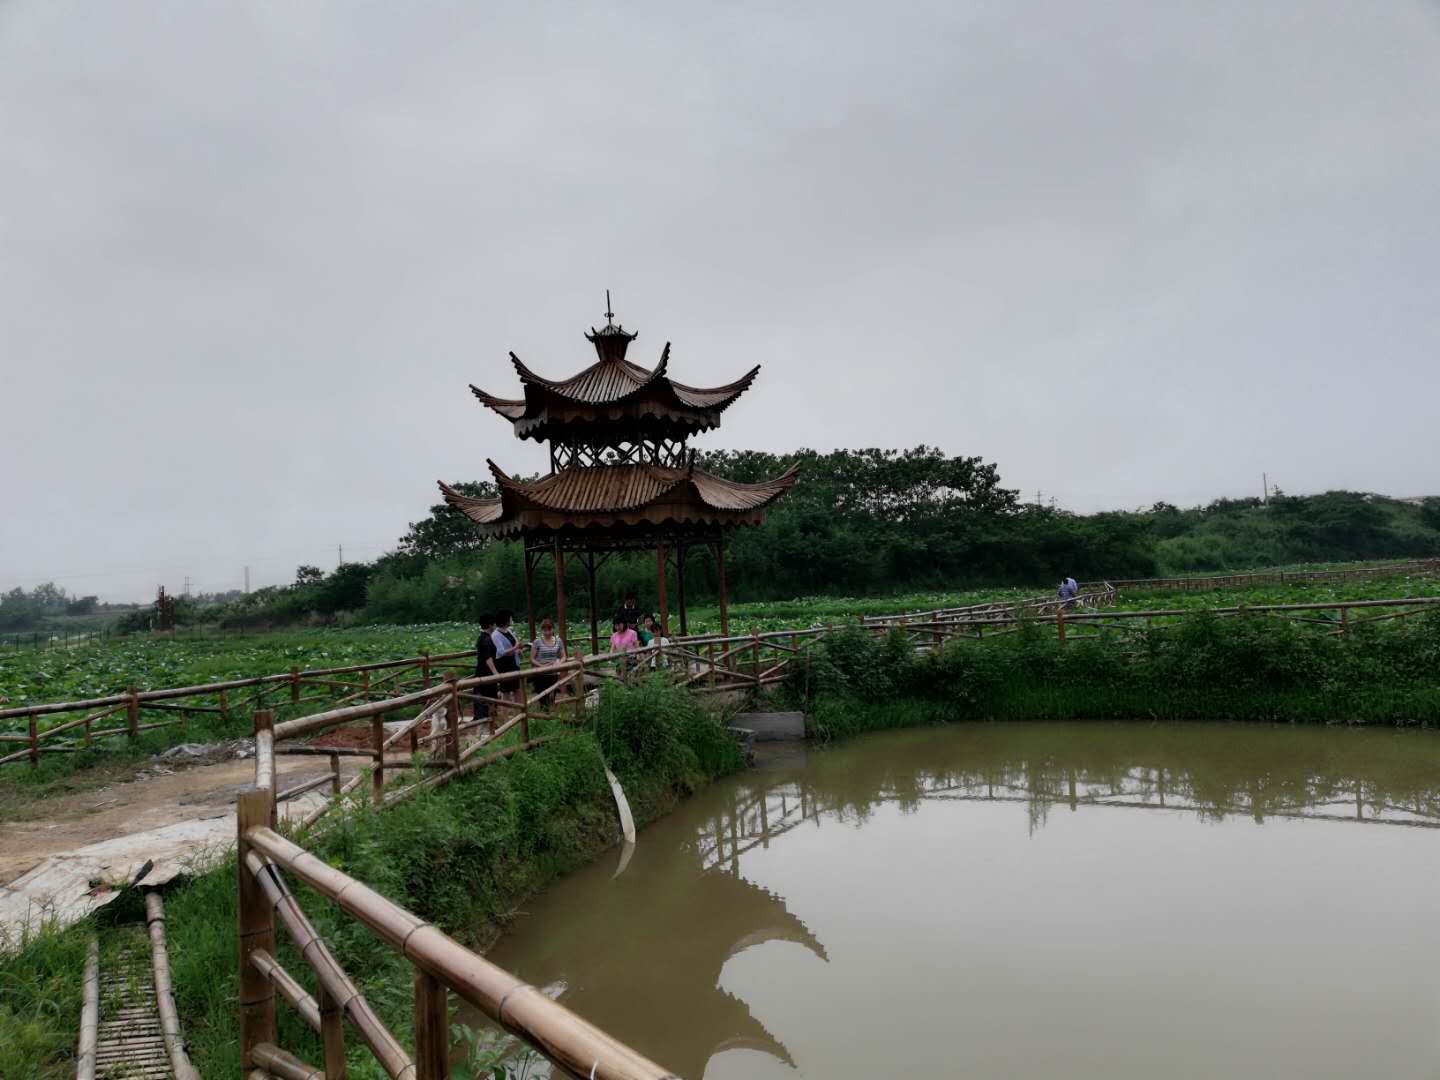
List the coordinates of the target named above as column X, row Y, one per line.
column 622, row 476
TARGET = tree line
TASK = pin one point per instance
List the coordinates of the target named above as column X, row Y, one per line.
column 861, row 522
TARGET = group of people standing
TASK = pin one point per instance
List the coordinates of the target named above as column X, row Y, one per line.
column 633, row 630
column 499, row 652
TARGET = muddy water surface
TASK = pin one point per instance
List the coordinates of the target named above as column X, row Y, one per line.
column 1029, row 901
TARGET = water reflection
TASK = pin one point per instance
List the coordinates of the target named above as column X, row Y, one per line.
column 642, row 955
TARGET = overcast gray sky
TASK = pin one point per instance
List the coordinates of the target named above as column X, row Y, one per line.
column 252, row 253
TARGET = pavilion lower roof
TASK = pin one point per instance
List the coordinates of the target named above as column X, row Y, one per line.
column 618, row 498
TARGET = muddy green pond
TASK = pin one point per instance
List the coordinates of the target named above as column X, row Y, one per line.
column 1025, row 901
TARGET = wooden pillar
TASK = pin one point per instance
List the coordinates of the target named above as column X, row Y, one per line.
column 680, row 586
column 562, row 627
column 34, row 731
column 294, row 684
column 530, row 592
column 257, row 931
column 720, row 580
column 132, row 715
column 594, row 605
column 332, row 1034
column 1060, row 622
column 432, row 1029
column 660, row 590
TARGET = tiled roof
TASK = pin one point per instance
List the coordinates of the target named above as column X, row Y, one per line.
column 635, row 492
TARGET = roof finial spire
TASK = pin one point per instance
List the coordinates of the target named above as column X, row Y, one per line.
column 609, row 315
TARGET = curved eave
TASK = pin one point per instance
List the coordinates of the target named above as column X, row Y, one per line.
column 506, row 407
column 618, row 498
column 481, row 511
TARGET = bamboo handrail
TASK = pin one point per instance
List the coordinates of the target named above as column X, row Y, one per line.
column 283, row 1064
column 289, row 987
column 568, row 1040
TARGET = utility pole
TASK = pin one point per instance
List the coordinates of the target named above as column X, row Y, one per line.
column 187, row 585
column 339, row 556
column 247, row 580
column 1264, row 488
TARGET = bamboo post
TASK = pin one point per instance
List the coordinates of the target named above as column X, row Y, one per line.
column 377, row 776
column 332, row 1034
column 524, row 695
column 265, row 757
column 257, row 931
column 432, row 1028
column 452, row 722
column 294, row 684
column 35, row 739
column 132, row 714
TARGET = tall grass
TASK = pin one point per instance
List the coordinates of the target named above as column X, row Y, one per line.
column 1249, row 668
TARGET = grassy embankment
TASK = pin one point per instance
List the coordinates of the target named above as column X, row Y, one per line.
column 462, row 856
column 1200, row 668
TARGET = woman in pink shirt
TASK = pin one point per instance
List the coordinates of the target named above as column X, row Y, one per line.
column 624, row 639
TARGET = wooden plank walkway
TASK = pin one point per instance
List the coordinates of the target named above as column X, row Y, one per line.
column 131, row 1044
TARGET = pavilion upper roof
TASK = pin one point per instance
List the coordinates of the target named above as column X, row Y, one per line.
column 613, row 399
column 615, row 496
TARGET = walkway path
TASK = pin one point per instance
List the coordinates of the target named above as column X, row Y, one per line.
column 88, row 846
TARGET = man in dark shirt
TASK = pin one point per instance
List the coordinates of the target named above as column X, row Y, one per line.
column 485, row 662
column 628, row 613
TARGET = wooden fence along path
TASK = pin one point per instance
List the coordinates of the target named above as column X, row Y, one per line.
column 300, row 689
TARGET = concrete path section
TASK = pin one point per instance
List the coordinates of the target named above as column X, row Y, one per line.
column 88, row 847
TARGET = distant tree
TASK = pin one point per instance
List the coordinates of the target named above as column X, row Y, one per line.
column 446, row 531
column 82, row 605
column 308, row 575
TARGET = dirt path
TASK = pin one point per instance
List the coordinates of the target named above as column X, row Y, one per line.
column 184, row 794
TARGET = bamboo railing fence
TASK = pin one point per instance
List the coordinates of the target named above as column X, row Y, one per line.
column 441, row 965
column 327, row 689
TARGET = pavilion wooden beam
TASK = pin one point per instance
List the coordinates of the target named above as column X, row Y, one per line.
column 594, row 608
column 660, row 590
column 562, row 628
column 720, row 576
column 530, row 590
column 680, row 585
